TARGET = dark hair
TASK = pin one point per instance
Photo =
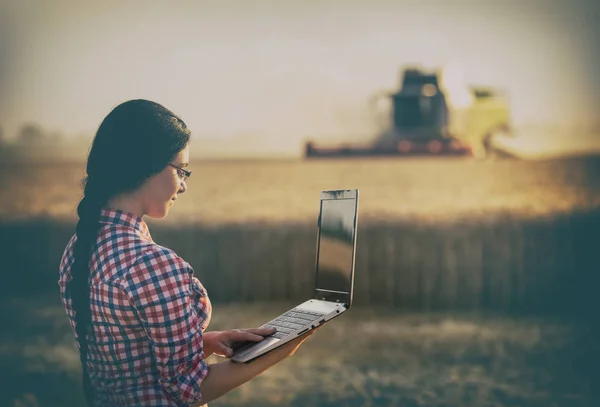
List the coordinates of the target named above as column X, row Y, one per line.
column 136, row 140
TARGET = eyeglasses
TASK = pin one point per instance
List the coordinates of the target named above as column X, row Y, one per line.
column 183, row 174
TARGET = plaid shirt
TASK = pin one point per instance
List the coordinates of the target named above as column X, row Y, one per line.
column 148, row 315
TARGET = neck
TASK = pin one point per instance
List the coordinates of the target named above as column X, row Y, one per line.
column 126, row 203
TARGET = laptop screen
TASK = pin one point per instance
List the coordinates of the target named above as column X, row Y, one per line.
column 336, row 245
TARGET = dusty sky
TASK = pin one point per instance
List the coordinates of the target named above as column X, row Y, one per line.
column 282, row 70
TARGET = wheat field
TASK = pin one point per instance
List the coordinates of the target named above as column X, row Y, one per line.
column 447, row 232
column 288, row 190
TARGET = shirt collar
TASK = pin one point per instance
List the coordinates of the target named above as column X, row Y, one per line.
column 119, row 217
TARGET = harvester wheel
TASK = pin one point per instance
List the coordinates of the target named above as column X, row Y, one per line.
column 434, row 147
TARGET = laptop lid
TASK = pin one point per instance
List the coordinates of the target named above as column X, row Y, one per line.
column 336, row 246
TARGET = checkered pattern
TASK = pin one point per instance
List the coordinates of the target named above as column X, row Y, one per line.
column 148, row 315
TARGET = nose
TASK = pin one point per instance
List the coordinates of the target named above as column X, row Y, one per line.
column 182, row 187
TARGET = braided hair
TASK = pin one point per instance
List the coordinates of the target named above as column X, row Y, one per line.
column 135, row 141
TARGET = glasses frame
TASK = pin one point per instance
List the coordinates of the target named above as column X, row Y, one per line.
column 186, row 173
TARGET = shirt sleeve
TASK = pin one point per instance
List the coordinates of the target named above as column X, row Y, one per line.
column 161, row 290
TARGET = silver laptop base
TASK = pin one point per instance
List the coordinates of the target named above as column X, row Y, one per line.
column 291, row 324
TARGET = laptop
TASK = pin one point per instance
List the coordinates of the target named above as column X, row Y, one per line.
column 334, row 277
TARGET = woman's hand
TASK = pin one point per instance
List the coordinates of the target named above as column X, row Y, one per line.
column 221, row 343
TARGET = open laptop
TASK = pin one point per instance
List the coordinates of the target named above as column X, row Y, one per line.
column 334, row 282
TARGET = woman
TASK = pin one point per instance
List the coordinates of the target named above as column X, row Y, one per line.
column 138, row 313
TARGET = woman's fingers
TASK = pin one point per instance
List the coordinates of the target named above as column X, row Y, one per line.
column 260, row 331
column 243, row 335
column 223, row 350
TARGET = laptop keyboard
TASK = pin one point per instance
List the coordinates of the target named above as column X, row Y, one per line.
column 285, row 324
column 292, row 321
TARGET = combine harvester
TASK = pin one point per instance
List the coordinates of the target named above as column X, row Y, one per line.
column 431, row 118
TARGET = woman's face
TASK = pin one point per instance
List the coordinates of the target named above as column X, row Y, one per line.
column 160, row 191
